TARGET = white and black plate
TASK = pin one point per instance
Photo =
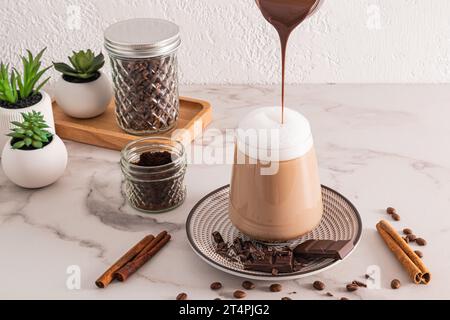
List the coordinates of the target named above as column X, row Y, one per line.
column 340, row 221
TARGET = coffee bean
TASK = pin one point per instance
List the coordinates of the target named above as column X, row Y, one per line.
column 286, row 298
column 412, row 237
column 406, row 239
column 217, row 299
column 276, row 287
column 319, row 285
column 345, row 298
column 419, row 253
column 238, row 294
column 421, row 241
column 359, row 284
column 182, row 296
column 396, row 217
column 367, row 276
column 407, row 231
column 329, row 294
column 352, row 287
column 248, row 285
column 391, row 210
column 215, row 286
column 395, row 284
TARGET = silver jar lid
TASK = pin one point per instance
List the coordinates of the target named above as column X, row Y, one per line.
column 142, row 38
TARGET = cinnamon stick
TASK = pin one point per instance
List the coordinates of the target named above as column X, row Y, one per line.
column 151, row 250
column 415, row 267
column 106, row 278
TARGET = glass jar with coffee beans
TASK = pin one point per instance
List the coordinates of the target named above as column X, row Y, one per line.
column 154, row 170
column 143, row 55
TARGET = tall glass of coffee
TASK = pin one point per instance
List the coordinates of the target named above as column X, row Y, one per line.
column 275, row 191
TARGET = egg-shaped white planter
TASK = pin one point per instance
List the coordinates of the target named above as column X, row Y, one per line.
column 35, row 168
column 84, row 100
column 7, row 115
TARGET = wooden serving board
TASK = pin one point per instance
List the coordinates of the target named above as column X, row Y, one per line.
column 103, row 130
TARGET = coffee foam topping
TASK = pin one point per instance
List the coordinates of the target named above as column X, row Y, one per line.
column 262, row 136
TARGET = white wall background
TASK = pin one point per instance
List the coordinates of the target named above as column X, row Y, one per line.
column 228, row 41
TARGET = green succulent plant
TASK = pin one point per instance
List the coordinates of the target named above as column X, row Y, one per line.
column 15, row 86
column 8, row 84
column 85, row 65
column 31, row 133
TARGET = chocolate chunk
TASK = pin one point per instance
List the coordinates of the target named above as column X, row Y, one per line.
column 217, row 237
column 323, row 249
column 281, row 260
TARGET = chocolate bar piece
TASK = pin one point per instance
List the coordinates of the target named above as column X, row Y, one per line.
column 272, row 261
column 312, row 249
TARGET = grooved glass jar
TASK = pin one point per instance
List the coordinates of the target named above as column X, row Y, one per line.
column 157, row 187
column 143, row 55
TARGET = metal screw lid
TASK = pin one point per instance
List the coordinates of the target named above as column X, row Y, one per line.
column 142, row 38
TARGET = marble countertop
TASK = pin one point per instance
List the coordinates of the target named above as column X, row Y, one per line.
column 379, row 145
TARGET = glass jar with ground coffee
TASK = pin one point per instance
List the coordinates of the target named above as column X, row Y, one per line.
column 154, row 170
column 143, row 54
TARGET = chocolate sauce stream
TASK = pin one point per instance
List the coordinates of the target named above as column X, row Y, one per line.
column 285, row 16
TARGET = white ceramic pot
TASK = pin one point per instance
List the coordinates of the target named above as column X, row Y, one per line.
column 35, row 168
column 7, row 115
column 84, row 100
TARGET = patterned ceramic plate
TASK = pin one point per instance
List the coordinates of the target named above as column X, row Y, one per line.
column 341, row 221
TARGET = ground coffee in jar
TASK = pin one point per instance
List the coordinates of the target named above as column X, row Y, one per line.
column 145, row 74
column 154, row 170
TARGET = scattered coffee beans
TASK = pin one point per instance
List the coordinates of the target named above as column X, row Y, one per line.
column 329, row 294
column 406, row 239
column 286, row 298
column 395, row 284
column 276, row 287
column 407, row 231
column 391, row 210
column 352, row 287
column 216, row 286
column 345, row 298
column 217, row 299
column 412, row 237
column 248, row 285
column 421, row 241
column 396, row 217
column 359, row 284
column 419, row 253
column 319, row 285
column 238, row 294
column 182, row 296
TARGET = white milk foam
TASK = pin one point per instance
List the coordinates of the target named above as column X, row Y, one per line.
column 261, row 135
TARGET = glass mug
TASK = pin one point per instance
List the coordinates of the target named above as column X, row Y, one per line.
column 275, row 192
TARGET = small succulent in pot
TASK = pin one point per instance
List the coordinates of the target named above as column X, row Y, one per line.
column 21, row 91
column 31, row 133
column 85, row 66
column 83, row 91
column 34, row 157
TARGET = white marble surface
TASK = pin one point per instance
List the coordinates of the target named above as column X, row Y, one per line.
column 379, row 145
